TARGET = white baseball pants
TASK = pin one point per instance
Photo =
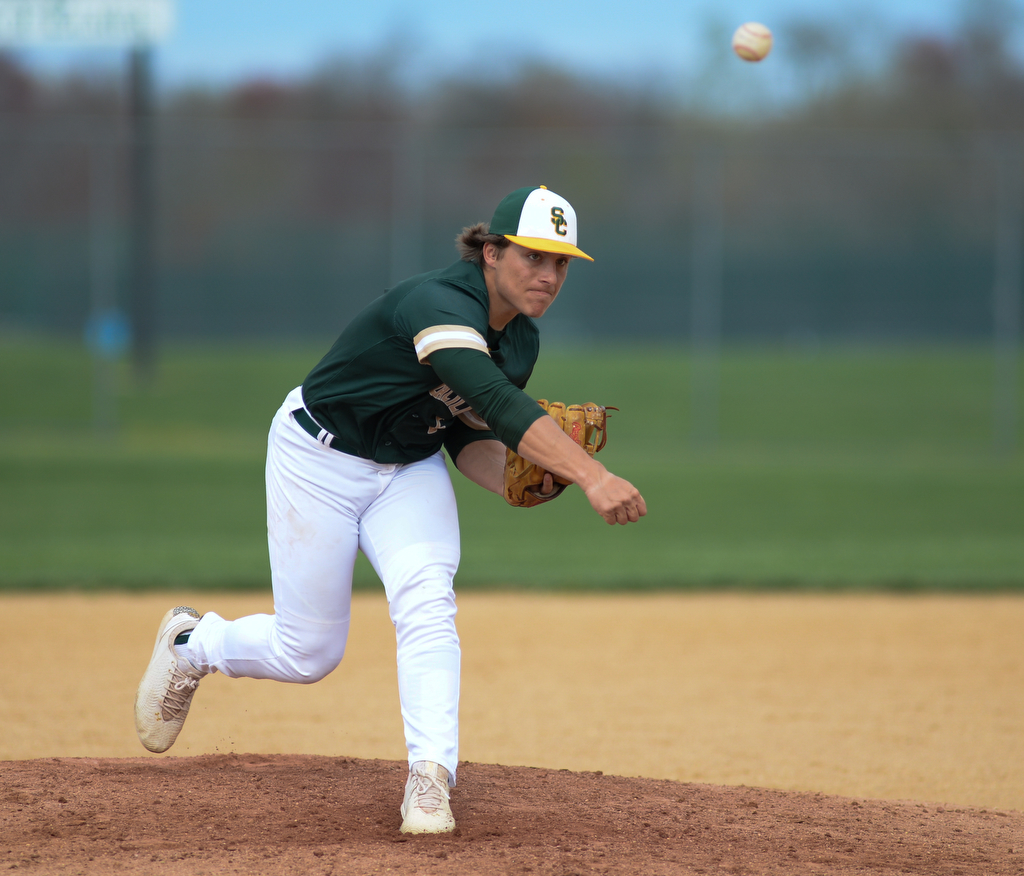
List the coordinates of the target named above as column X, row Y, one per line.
column 322, row 507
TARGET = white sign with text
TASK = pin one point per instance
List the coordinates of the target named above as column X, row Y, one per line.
column 95, row 22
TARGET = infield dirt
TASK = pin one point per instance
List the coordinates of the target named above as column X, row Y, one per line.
column 291, row 815
column 742, row 734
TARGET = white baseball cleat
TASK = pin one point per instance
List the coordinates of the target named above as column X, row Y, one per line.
column 166, row 690
column 425, row 808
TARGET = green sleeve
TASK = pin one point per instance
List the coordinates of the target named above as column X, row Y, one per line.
column 435, row 305
column 507, row 410
column 458, row 436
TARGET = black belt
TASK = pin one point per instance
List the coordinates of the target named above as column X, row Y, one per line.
column 310, row 425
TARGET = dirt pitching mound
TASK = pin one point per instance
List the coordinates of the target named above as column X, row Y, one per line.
column 278, row 814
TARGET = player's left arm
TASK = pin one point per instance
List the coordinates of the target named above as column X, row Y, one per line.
column 483, row 462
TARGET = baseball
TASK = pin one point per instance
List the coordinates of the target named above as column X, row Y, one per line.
column 752, row 41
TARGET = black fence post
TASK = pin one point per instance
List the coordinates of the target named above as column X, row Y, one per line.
column 142, row 185
column 706, row 295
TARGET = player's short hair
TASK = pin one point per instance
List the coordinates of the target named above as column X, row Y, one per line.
column 470, row 242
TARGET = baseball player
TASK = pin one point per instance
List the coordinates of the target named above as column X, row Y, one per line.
column 355, row 462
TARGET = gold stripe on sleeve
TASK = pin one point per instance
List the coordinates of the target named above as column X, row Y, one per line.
column 446, row 337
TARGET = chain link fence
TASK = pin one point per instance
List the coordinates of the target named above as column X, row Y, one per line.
column 285, row 229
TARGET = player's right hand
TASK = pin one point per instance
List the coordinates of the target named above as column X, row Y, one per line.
column 616, row 499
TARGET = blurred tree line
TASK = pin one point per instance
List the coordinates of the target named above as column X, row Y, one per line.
column 856, row 186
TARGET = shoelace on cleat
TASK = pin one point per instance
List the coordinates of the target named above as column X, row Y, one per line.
column 178, row 694
column 429, row 792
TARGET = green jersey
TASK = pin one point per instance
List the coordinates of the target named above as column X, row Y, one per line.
column 420, row 368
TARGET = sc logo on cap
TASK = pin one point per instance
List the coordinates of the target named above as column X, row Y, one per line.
column 559, row 221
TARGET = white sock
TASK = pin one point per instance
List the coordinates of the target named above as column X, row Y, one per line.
column 184, row 653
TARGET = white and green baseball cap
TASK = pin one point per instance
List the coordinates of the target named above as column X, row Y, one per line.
column 536, row 218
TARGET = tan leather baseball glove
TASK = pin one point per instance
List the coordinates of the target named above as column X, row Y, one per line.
column 585, row 424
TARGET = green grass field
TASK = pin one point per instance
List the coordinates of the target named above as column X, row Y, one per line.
column 839, row 468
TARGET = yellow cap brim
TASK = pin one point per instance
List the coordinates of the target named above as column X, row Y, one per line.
column 542, row 244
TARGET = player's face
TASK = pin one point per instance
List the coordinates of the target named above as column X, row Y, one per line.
column 522, row 281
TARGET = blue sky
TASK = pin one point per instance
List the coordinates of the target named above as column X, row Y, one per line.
column 219, row 42
column 221, row 36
